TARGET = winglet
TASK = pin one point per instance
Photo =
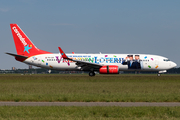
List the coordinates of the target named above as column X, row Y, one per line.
column 62, row 53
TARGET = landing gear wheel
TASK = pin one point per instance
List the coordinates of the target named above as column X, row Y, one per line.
column 158, row 75
column 91, row 74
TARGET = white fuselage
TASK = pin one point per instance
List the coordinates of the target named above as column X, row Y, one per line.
column 28, row 53
column 55, row 61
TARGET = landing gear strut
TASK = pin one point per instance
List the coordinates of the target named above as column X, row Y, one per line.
column 158, row 74
column 91, row 73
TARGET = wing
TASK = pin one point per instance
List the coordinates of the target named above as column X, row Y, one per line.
column 83, row 64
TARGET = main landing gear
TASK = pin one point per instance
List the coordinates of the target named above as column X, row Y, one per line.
column 91, row 73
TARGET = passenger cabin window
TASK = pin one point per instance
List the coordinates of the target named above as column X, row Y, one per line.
column 145, row 60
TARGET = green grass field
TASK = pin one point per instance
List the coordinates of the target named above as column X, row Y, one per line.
column 117, row 88
column 89, row 113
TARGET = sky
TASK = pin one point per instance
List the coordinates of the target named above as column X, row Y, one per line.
column 92, row 26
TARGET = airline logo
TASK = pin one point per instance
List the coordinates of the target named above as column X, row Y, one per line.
column 19, row 36
column 26, row 46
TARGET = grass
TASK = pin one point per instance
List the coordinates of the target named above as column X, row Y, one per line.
column 106, row 88
column 79, row 113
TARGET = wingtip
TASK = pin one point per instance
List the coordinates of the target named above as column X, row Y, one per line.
column 7, row 53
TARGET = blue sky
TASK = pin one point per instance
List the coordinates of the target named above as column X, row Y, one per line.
column 82, row 26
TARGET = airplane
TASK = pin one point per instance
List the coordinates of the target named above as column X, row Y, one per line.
column 29, row 54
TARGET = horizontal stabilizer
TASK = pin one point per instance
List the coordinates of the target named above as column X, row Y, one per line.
column 15, row 55
column 18, row 57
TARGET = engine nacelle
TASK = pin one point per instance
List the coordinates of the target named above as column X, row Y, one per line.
column 110, row 69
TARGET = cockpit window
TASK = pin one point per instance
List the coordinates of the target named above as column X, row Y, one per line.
column 166, row 60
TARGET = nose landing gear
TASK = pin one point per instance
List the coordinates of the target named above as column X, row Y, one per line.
column 158, row 74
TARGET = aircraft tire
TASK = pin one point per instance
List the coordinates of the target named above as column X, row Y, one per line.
column 91, row 74
column 158, row 75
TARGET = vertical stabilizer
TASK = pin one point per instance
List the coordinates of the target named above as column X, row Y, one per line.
column 23, row 44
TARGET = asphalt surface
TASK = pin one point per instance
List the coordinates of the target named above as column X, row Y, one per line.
column 121, row 104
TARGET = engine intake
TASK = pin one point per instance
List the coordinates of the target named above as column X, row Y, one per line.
column 110, row 69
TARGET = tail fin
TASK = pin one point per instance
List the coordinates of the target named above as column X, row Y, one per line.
column 23, row 44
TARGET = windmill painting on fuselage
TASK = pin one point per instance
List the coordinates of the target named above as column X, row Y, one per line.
column 28, row 53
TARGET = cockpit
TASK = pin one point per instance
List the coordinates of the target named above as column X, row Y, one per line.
column 166, row 60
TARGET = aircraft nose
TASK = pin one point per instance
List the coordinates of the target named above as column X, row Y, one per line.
column 173, row 64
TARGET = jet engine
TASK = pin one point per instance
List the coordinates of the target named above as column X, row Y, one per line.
column 110, row 69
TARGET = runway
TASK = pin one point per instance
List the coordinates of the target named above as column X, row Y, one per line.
column 120, row 104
